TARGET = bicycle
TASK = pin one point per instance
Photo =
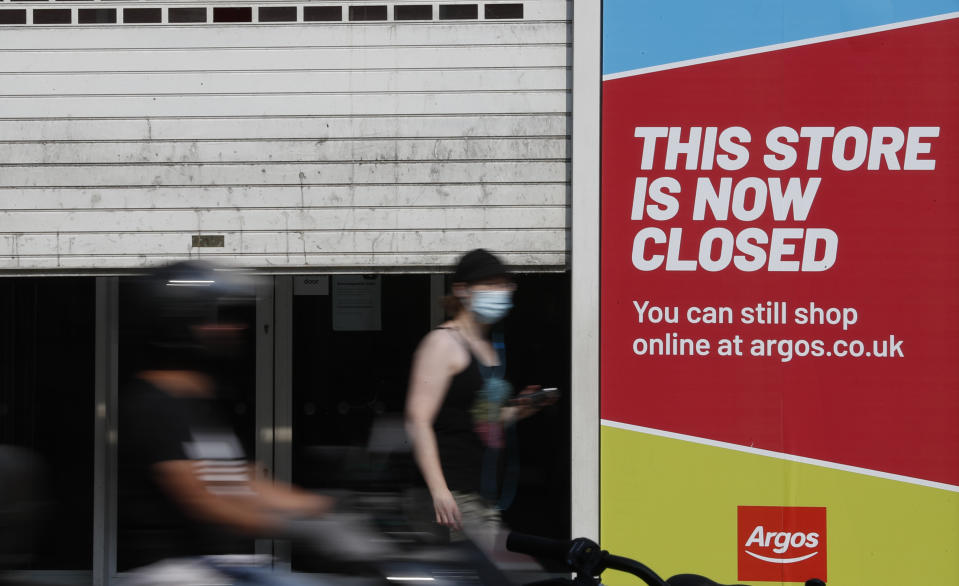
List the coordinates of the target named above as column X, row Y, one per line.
column 588, row 561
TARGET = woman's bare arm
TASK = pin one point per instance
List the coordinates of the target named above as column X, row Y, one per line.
column 434, row 363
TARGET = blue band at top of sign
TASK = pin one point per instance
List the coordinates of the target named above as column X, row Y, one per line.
column 645, row 33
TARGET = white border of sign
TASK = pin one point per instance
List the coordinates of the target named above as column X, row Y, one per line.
column 584, row 394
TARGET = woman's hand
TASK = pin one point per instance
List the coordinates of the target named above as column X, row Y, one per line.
column 447, row 511
column 522, row 406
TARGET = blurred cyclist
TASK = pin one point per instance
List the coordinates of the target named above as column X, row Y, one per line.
column 187, row 485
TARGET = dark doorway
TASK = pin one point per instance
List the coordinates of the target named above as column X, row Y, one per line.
column 47, row 406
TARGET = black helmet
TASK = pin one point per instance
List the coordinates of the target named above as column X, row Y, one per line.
column 175, row 304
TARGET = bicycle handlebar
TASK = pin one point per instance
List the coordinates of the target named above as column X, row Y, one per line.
column 581, row 555
column 589, row 561
column 641, row 571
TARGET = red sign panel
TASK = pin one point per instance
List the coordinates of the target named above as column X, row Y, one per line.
column 780, row 237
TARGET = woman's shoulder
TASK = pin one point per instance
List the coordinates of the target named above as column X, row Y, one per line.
column 446, row 344
column 443, row 337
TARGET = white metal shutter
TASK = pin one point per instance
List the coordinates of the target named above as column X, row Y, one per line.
column 388, row 145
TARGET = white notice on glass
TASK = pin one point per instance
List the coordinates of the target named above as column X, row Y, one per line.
column 356, row 303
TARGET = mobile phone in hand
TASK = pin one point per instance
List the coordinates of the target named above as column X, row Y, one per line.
column 536, row 398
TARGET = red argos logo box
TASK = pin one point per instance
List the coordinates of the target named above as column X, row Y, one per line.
column 782, row 544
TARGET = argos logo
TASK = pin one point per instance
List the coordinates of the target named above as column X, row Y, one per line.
column 782, row 544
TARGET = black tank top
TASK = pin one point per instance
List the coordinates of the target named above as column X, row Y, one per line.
column 460, row 448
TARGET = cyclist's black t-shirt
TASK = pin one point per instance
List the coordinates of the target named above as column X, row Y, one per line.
column 156, row 427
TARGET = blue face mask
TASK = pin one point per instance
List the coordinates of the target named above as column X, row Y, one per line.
column 491, row 306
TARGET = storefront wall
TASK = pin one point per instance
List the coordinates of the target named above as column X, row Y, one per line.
column 368, row 147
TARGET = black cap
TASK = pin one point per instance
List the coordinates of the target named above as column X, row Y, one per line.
column 478, row 265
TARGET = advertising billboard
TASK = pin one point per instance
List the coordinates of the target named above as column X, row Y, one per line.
column 780, row 289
